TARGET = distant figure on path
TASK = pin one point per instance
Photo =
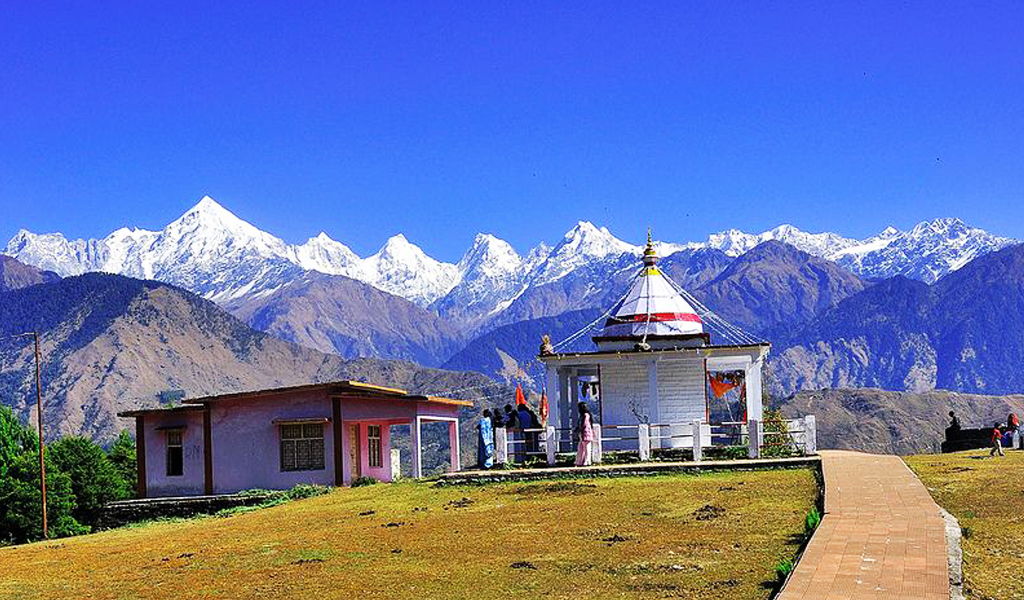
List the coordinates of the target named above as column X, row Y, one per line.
column 997, row 441
column 584, row 436
column 485, row 441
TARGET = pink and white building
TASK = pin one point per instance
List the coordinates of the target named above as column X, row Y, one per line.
column 325, row 433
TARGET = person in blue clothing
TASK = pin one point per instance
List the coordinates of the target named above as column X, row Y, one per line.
column 485, row 441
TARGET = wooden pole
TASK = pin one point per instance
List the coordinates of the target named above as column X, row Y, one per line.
column 42, row 444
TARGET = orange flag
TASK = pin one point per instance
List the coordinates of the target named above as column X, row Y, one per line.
column 520, row 398
column 544, row 406
column 719, row 386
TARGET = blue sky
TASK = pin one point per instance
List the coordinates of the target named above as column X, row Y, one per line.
column 441, row 120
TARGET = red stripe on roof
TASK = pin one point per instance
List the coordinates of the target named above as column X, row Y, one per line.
column 659, row 317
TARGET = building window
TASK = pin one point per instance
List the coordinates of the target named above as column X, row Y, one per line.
column 375, row 448
column 302, row 447
column 175, row 454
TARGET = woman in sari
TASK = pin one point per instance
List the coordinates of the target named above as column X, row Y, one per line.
column 584, row 436
column 485, row 441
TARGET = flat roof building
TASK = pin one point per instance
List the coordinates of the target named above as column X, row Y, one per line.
column 324, row 433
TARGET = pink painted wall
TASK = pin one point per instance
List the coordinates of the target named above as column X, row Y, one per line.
column 246, row 442
column 382, row 473
column 191, row 481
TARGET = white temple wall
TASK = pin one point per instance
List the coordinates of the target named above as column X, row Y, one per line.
column 662, row 391
column 680, row 391
column 624, row 394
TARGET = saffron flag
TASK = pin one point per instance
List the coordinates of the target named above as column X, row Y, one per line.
column 719, row 386
column 520, row 398
column 544, row 406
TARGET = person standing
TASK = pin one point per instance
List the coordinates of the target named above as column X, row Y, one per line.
column 527, row 421
column 485, row 441
column 512, row 428
column 997, row 441
column 584, row 436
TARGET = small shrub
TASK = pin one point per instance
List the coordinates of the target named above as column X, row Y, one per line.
column 363, row 480
column 306, row 490
column 256, row 492
column 781, row 444
column 783, row 569
column 966, row 532
column 726, row 452
column 811, row 521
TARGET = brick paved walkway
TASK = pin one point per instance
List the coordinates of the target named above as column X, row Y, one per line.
column 882, row 535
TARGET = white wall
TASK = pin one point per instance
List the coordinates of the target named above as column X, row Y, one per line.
column 680, row 391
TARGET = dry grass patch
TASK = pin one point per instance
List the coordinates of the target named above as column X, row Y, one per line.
column 987, row 496
column 637, row 537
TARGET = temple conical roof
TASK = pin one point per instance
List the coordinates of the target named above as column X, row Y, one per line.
column 652, row 309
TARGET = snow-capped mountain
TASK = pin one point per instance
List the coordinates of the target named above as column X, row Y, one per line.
column 403, row 269
column 325, row 255
column 582, row 245
column 212, row 252
column 490, row 272
column 54, row 252
column 927, row 252
column 735, row 242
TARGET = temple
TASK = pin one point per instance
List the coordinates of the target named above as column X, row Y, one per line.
column 658, row 363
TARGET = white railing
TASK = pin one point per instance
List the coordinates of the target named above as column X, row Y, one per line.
column 800, row 436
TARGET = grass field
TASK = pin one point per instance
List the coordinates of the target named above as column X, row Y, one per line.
column 987, row 497
column 714, row 535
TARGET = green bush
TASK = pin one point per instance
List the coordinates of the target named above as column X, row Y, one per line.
column 363, row 480
column 94, row 478
column 122, row 456
column 811, row 521
column 305, row 490
column 726, row 452
column 778, row 441
column 20, row 496
column 783, row 569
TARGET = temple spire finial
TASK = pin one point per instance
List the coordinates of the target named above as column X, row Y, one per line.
column 650, row 254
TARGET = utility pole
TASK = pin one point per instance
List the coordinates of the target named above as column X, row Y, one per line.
column 42, row 444
column 39, row 418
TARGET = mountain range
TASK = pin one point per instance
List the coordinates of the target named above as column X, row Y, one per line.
column 111, row 343
column 965, row 332
column 314, row 293
column 939, row 306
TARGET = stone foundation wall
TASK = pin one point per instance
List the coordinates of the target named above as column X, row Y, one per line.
column 123, row 512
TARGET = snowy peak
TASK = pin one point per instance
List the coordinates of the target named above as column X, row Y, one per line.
column 326, row 255
column 489, row 256
column 403, row 269
column 54, row 252
column 211, row 251
column 210, row 223
column 735, row 242
column 586, row 239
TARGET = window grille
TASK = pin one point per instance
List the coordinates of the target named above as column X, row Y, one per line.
column 375, row 450
column 302, row 447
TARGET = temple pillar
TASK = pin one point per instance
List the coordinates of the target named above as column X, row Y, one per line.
column 752, row 381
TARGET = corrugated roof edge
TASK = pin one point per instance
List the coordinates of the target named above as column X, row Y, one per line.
column 344, row 385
